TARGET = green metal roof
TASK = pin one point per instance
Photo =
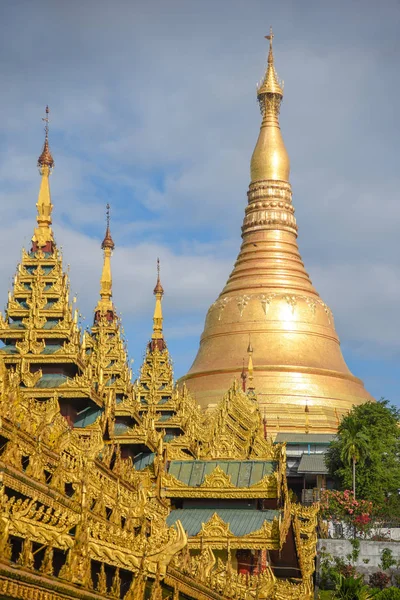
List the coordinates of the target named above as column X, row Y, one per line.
column 304, row 438
column 87, row 416
column 244, row 473
column 9, row 349
column 313, row 463
column 143, row 460
column 51, row 380
column 241, row 521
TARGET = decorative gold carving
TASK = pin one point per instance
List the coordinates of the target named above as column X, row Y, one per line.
column 217, row 479
column 215, row 528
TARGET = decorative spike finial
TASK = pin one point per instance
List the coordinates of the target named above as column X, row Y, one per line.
column 105, row 305
column 270, row 83
column 43, row 235
column 159, row 288
column 108, row 242
column 307, row 423
column 270, row 37
column 250, row 367
column 46, row 159
column 158, row 316
column 243, row 377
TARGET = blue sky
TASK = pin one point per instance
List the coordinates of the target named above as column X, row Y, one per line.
column 153, row 109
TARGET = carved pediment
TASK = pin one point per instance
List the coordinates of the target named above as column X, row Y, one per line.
column 215, row 527
column 217, row 479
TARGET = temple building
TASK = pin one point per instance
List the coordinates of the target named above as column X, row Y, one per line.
column 113, row 488
column 270, row 299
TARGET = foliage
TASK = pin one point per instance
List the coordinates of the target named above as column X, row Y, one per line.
column 391, row 593
column 331, row 567
column 351, row 588
column 355, row 446
column 379, row 580
column 378, row 472
column 387, row 559
column 342, row 506
column 325, row 595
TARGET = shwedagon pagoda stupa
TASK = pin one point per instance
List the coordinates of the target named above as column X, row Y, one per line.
column 270, row 302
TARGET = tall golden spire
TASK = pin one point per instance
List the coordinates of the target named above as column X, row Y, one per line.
column 105, row 305
column 269, row 295
column 43, row 235
column 158, row 316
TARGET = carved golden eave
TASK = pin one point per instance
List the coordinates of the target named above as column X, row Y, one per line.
column 218, row 485
column 216, row 534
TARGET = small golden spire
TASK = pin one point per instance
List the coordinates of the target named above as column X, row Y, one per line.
column 270, row 83
column 43, row 235
column 250, row 367
column 158, row 316
column 105, row 305
column 307, row 411
column 270, row 159
column 243, row 377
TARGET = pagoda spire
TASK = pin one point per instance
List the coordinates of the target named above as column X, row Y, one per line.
column 270, row 160
column 105, row 305
column 269, row 295
column 158, row 316
column 43, row 235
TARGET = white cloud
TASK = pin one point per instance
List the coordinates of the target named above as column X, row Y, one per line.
column 153, row 109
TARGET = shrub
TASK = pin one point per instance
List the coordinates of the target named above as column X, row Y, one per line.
column 387, row 559
column 391, row 593
column 379, row 580
column 351, row 588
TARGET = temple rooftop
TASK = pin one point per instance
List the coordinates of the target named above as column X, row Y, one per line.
column 241, row 521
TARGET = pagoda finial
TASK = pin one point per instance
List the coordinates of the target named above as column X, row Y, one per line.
column 105, row 306
column 158, row 316
column 46, row 159
column 270, row 37
column 108, row 242
column 270, row 159
column 43, row 235
column 159, row 288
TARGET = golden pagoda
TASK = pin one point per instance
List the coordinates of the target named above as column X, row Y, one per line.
column 269, row 296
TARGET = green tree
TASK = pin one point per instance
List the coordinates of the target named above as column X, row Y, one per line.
column 378, row 472
column 354, row 445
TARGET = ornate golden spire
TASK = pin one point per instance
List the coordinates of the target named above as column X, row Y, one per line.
column 43, row 235
column 158, row 316
column 269, row 295
column 105, row 305
column 270, row 159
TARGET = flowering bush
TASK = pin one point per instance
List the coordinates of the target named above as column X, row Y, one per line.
column 342, row 506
